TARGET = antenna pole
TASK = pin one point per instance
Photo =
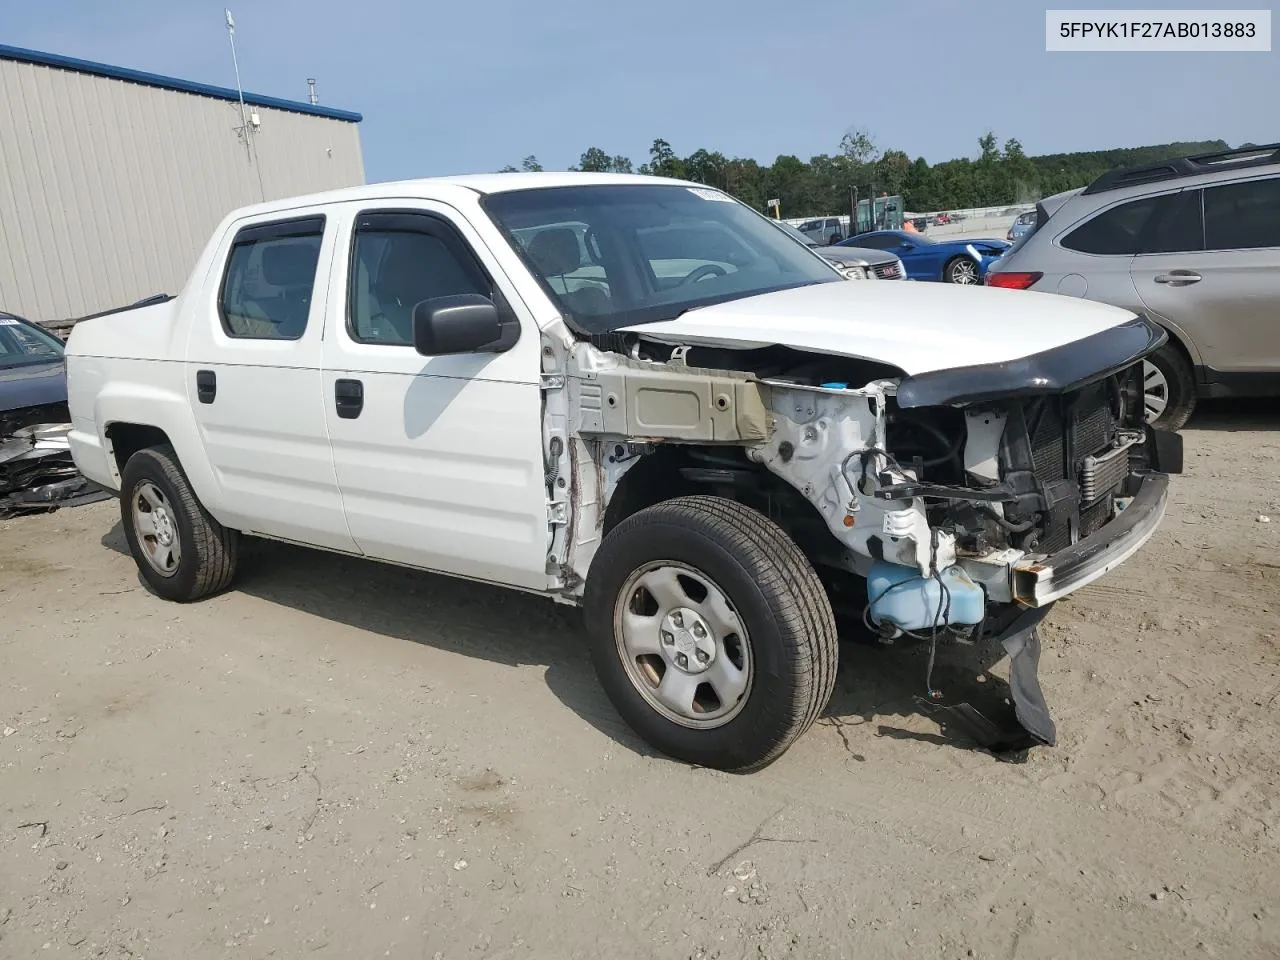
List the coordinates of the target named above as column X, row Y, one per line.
column 244, row 120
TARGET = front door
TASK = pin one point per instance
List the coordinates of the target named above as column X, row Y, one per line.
column 439, row 459
column 254, row 383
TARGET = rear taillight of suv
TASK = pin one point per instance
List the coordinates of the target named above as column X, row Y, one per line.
column 1012, row 280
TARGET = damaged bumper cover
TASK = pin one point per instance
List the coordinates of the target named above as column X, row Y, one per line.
column 1038, row 581
column 37, row 473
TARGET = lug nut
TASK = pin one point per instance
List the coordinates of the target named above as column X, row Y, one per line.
column 678, row 618
column 682, row 660
column 699, row 630
column 702, row 656
column 668, row 638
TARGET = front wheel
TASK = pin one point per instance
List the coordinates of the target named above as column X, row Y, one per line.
column 710, row 632
column 961, row 270
column 182, row 553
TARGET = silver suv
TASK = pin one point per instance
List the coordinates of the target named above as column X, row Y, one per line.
column 1194, row 243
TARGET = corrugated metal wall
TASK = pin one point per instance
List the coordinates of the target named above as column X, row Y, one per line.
column 109, row 189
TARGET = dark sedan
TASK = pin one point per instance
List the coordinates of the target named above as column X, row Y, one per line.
column 32, row 372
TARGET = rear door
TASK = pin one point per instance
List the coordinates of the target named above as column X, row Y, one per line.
column 439, row 459
column 254, row 383
column 1213, row 271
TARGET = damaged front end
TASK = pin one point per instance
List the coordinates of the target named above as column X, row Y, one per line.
column 962, row 504
column 37, row 474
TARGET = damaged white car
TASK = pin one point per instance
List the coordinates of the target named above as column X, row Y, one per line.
column 639, row 396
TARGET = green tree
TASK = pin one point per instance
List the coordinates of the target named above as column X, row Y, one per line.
column 530, row 164
column 706, row 167
column 822, row 185
column 920, row 187
column 990, row 153
column 595, row 160
column 663, row 161
column 745, row 180
column 858, row 146
column 1020, row 173
column 891, row 172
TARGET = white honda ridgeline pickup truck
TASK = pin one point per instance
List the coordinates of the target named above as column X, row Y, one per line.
column 639, row 396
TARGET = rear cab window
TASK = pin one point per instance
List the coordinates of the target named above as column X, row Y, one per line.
column 269, row 278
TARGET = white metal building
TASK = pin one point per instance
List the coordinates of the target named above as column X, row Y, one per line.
column 111, row 180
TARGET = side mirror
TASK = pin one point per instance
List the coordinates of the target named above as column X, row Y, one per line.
column 463, row 323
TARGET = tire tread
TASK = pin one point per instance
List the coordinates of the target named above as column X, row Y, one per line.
column 214, row 546
column 789, row 583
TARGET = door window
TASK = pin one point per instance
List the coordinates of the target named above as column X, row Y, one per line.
column 1239, row 216
column 1176, row 226
column 397, row 261
column 270, row 274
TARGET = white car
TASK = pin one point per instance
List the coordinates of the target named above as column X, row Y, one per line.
column 635, row 395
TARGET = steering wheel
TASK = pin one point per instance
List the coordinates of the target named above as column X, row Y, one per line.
column 704, row 271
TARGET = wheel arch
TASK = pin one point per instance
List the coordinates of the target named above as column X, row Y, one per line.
column 133, row 416
column 1181, row 341
column 124, row 439
column 684, row 470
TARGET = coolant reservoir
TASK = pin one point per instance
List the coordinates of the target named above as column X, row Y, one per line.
column 902, row 597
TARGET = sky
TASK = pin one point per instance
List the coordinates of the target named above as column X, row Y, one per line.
column 450, row 87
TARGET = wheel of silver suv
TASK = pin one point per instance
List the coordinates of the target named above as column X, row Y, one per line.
column 1155, row 391
column 1169, row 389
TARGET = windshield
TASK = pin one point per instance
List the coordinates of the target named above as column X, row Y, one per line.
column 22, row 344
column 620, row 254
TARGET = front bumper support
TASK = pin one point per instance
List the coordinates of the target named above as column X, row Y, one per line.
column 1038, row 581
column 1022, row 643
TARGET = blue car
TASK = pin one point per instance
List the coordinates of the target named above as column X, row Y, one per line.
column 951, row 261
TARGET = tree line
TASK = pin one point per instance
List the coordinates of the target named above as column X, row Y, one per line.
column 1000, row 174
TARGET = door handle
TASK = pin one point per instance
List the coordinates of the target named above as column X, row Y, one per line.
column 1178, row 278
column 348, row 396
column 206, row 386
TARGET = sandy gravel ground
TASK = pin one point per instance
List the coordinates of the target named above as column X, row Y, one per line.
column 339, row 759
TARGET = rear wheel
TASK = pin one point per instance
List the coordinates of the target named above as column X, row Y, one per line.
column 1169, row 388
column 961, row 270
column 710, row 632
column 182, row 553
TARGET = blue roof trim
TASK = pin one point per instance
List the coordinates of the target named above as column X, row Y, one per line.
column 170, row 83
